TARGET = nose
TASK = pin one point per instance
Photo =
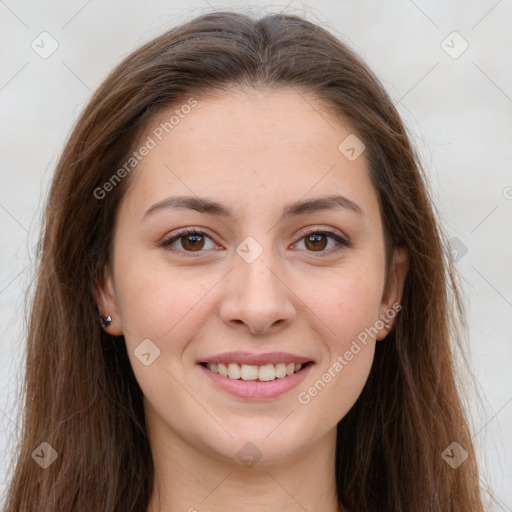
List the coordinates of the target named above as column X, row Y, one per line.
column 256, row 298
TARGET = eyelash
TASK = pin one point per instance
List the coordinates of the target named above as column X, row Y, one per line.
column 342, row 242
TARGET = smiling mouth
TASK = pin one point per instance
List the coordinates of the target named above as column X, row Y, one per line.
column 263, row 373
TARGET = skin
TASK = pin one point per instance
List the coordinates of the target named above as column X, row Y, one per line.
column 253, row 151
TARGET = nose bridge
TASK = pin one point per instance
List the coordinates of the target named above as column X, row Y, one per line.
column 256, row 294
column 254, row 273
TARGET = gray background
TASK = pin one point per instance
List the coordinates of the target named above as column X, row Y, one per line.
column 458, row 107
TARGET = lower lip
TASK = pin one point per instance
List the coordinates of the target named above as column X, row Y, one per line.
column 255, row 389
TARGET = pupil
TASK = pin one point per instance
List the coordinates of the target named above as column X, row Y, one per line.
column 315, row 239
column 193, row 240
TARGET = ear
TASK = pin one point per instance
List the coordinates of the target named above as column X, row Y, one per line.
column 393, row 290
column 105, row 294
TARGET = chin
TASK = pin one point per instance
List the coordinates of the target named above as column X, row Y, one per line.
column 266, row 446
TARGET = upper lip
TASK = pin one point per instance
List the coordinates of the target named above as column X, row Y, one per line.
column 256, row 359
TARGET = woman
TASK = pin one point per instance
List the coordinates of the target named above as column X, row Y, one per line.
column 242, row 300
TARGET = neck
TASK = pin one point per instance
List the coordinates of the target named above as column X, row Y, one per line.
column 191, row 480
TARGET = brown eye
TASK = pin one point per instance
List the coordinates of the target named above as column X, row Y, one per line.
column 192, row 242
column 316, row 242
column 189, row 240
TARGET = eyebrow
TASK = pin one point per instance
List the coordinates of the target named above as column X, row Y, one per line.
column 210, row 207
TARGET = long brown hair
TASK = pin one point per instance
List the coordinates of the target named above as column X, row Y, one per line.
column 80, row 394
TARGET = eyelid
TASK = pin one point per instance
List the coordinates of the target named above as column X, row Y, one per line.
column 343, row 242
column 326, row 230
column 181, row 233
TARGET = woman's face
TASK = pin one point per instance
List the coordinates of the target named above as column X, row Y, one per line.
column 262, row 286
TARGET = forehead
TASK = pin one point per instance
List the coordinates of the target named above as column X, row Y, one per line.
column 253, row 120
column 279, row 145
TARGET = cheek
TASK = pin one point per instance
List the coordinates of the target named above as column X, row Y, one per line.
column 156, row 298
column 349, row 309
column 349, row 303
column 349, row 345
column 161, row 306
column 342, row 383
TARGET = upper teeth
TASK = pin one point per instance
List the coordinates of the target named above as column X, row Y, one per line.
column 266, row 372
